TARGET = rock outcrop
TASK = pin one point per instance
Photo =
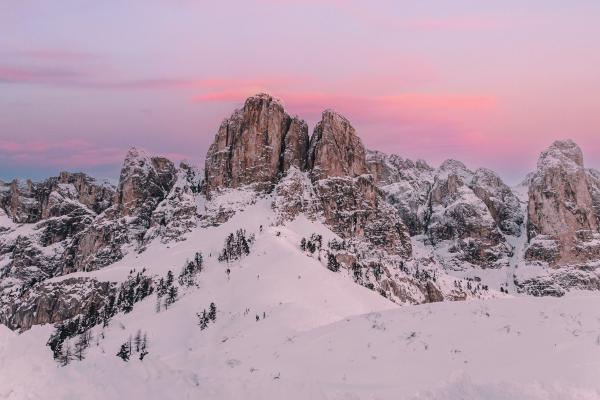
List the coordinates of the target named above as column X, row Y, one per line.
column 406, row 185
column 30, row 202
column 562, row 223
column 144, row 182
column 462, row 220
column 51, row 302
column 335, row 149
column 256, row 146
column 464, row 214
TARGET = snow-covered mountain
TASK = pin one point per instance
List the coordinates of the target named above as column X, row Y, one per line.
column 301, row 267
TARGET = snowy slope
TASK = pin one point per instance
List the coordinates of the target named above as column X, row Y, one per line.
column 322, row 335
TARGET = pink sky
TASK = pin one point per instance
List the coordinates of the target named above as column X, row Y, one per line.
column 489, row 83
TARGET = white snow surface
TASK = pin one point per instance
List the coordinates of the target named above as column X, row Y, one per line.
column 322, row 335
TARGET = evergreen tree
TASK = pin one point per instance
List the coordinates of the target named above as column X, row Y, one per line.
column 144, row 347
column 137, row 341
column 162, row 288
column 203, row 320
column 169, row 281
column 357, row 271
column 124, row 352
column 66, row 354
column 303, row 244
column 332, row 262
column 212, row 312
column 81, row 345
column 199, row 261
column 171, row 296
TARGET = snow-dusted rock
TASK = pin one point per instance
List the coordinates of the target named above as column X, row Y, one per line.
column 51, row 302
column 461, row 222
column 406, row 185
column 144, row 182
column 561, row 205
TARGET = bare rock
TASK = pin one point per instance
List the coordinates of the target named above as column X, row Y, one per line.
column 144, row 182
column 256, row 146
column 52, row 302
column 335, row 149
column 560, row 204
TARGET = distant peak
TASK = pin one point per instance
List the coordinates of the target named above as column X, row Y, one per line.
column 564, row 151
column 263, row 97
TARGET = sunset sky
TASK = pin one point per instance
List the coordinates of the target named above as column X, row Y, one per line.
column 491, row 83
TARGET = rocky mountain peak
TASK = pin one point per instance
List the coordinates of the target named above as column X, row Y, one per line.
column 335, row 149
column 255, row 146
column 144, row 181
column 560, row 207
column 562, row 153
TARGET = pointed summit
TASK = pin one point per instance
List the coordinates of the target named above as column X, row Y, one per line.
column 256, row 145
column 335, row 149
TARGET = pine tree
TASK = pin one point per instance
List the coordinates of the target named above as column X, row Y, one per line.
column 137, row 341
column 332, row 262
column 171, row 296
column 199, row 261
column 162, row 289
column 169, row 281
column 124, row 352
column 66, row 355
column 212, row 312
column 203, row 320
column 303, row 244
column 81, row 345
column 357, row 271
column 144, row 347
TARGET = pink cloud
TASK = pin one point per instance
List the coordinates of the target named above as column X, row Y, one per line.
column 19, row 74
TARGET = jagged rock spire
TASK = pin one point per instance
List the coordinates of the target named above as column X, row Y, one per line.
column 256, row 145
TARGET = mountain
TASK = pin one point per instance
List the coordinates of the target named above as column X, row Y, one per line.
column 306, row 245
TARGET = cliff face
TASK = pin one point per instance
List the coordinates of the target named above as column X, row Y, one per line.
column 562, row 222
column 335, row 149
column 256, row 145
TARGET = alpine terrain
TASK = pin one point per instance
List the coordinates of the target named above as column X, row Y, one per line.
column 302, row 266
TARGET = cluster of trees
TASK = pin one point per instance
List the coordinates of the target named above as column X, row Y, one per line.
column 166, row 290
column 138, row 345
column 236, row 246
column 69, row 353
column 187, row 277
column 312, row 244
column 207, row 317
column 137, row 287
